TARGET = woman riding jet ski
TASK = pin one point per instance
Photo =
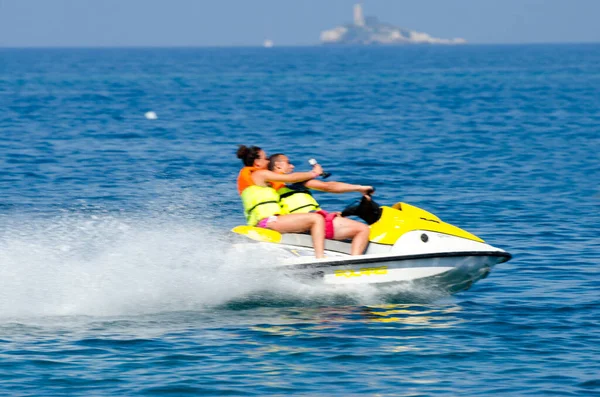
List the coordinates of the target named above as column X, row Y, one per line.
column 261, row 201
column 270, row 203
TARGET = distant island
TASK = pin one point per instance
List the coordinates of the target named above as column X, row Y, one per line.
column 369, row 31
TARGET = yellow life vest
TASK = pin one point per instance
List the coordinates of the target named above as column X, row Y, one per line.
column 260, row 202
column 297, row 201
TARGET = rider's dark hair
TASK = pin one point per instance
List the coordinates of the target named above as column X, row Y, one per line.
column 273, row 159
column 248, row 154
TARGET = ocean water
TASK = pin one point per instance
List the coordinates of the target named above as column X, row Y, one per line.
column 117, row 273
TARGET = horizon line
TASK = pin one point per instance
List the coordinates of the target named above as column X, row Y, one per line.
column 319, row 45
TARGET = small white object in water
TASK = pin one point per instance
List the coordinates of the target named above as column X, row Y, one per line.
column 268, row 43
column 151, row 115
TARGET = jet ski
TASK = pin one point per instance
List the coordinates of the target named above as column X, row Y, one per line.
column 407, row 245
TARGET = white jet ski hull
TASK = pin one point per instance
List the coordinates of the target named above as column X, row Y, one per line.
column 451, row 264
column 454, row 271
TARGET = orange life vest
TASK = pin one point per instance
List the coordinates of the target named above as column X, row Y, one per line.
column 245, row 178
column 259, row 201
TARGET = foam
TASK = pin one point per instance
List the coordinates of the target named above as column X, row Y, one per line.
column 105, row 265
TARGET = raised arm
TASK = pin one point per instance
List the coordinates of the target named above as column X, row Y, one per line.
column 337, row 187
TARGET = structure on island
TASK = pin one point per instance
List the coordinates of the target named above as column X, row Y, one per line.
column 369, row 31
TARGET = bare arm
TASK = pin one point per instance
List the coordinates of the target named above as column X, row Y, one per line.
column 261, row 177
column 337, row 187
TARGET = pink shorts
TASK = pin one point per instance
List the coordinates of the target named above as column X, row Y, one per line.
column 265, row 221
column 329, row 231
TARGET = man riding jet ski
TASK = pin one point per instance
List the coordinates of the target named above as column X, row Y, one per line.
column 296, row 199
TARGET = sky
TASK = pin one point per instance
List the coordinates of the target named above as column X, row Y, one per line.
column 165, row 23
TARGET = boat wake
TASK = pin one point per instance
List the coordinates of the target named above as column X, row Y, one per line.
column 104, row 265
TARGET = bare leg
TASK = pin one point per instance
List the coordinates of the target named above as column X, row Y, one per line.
column 299, row 223
column 345, row 228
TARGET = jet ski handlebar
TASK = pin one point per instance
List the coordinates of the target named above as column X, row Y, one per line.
column 366, row 209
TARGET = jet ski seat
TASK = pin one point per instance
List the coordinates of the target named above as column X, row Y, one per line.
column 305, row 240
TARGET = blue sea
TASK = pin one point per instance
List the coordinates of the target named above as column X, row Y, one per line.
column 117, row 276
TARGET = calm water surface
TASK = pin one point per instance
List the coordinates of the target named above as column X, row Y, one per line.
column 117, row 273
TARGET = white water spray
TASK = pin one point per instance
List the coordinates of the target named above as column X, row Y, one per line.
column 104, row 265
